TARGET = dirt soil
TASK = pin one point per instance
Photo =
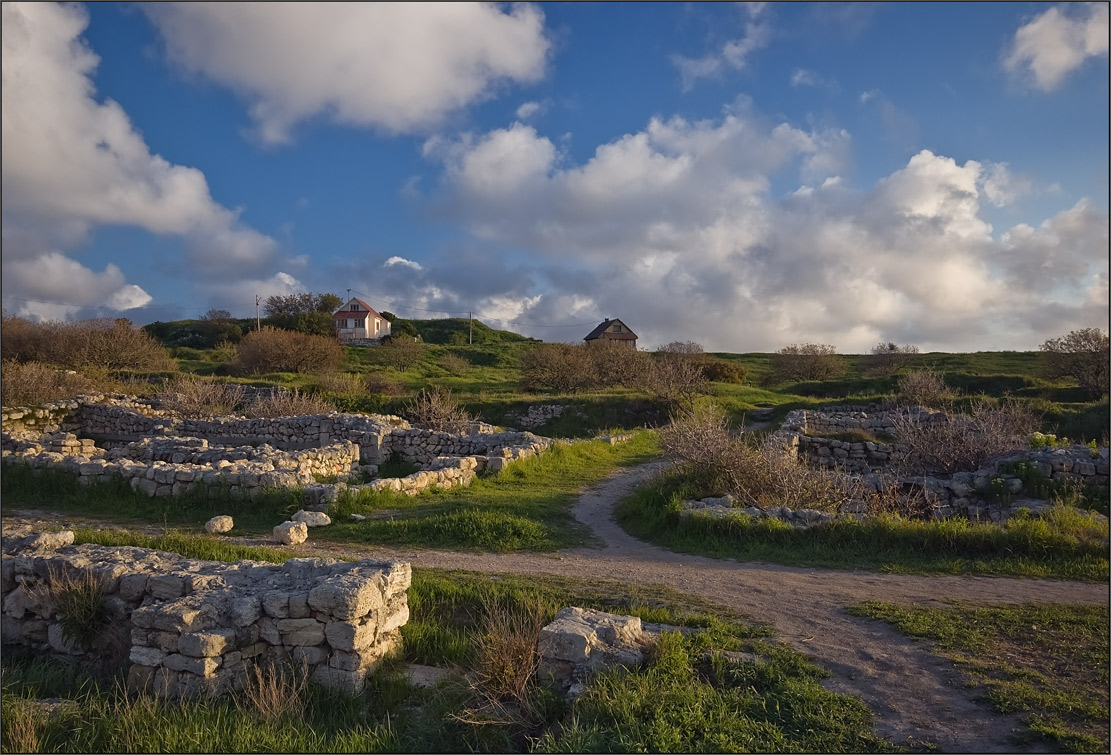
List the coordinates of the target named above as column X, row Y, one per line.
column 917, row 697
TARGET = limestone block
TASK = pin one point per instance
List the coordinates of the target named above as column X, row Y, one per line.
column 19, row 602
column 346, row 597
column 299, row 605
column 146, row 656
column 577, row 632
column 59, row 642
column 348, row 637
column 244, row 610
column 140, row 677
column 291, row 533
column 205, row 644
column 166, row 586
column 218, row 525
column 165, row 641
column 276, row 604
column 349, row 682
column 301, row 631
column 312, row 518
column 313, row 656
column 200, row 666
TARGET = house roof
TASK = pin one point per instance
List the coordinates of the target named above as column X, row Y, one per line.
column 344, row 312
column 628, row 335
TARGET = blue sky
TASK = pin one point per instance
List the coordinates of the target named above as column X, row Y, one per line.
column 742, row 175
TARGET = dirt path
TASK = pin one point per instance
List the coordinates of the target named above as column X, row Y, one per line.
column 915, row 695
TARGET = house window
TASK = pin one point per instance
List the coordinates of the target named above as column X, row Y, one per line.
column 377, row 325
column 352, row 323
column 616, row 328
column 354, row 307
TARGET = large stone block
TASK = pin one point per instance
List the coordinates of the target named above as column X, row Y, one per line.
column 291, row 533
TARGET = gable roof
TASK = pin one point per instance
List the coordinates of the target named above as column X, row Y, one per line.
column 628, row 335
column 347, row 313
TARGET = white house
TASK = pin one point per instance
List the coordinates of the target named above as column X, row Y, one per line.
column 357, row 320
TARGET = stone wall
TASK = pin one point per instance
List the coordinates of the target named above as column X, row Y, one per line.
column 194, row 627
column 167, row 455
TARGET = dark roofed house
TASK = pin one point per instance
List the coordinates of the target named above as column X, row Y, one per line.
column 357, row 321
column 613, row 330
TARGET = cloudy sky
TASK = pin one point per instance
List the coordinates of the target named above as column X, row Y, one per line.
column 745, row 176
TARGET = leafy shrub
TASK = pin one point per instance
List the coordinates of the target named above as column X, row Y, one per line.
column 924, row 388
column 401, row 351
column 945, row 443
column 1082, row 355
column 437, row 409
column 193, row 396
column 721, row 371
column 273, row 350
column 454, row 364
column 808, row 361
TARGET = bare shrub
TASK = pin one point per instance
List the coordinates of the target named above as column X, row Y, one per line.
column 31, row 383
column 674, row 382
column 759, row 475
column 924, row 388
column 616, row 364
column 1082, row 355
column 382, row 384
column 944, row 443
column 291, row 403
column 401, row 352
column 683, row 348
column 274, row 692
column 273, row 350
column 889, row 357
column 559, row 367
column 454, row 364
column 808, row 361
column 101, row 343
column 505, row 664
column 194, row 397
column 437, row 409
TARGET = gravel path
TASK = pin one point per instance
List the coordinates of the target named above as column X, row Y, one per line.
column 915, row 695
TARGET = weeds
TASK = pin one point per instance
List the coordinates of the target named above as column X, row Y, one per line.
column 274, row 692
column 290, row 403
column 437, row 409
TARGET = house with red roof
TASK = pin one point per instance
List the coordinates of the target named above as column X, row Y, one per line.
column 357, row 321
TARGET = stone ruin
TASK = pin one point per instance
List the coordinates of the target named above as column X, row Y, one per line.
column 970, row 494
column 197, row 627
column 99, row 436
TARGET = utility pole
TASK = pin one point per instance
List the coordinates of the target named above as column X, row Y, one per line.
column 470, row 327
column 258, row 321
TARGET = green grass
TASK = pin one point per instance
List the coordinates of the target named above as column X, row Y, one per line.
column 687, row 697
column 524, row 507
column 1047, row 662
column 1066, row 544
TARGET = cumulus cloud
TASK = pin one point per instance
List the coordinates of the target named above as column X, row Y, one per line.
column 733, row 55
column 52, row 277
column 71, row 163
column 1057, row 42
column 400, row 67
column 395, row 260
column 676, row 230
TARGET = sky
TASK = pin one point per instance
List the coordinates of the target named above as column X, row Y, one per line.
column 745, row 176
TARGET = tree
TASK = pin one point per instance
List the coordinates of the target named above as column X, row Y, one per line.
column 889, row 357
column 401, row 352
column 295, row 304
column 399, row 326
column 1081, row 355
column 216, row 315
column 808, row 361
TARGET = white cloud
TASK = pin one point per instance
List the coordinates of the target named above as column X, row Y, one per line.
column 53, row 277
column 733, row 55
column 1001, row 187
column 674, row 229
column 1057, row 42
column 401, row 67
column 528, row 109
column 395, row 260
column 801, row 77
column 71, row 163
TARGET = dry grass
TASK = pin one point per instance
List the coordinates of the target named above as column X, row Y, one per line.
column 78, row 598
column 274, row 692
column 23, row 725
column 505, row 665
column 291, row 403
column 194, row 397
